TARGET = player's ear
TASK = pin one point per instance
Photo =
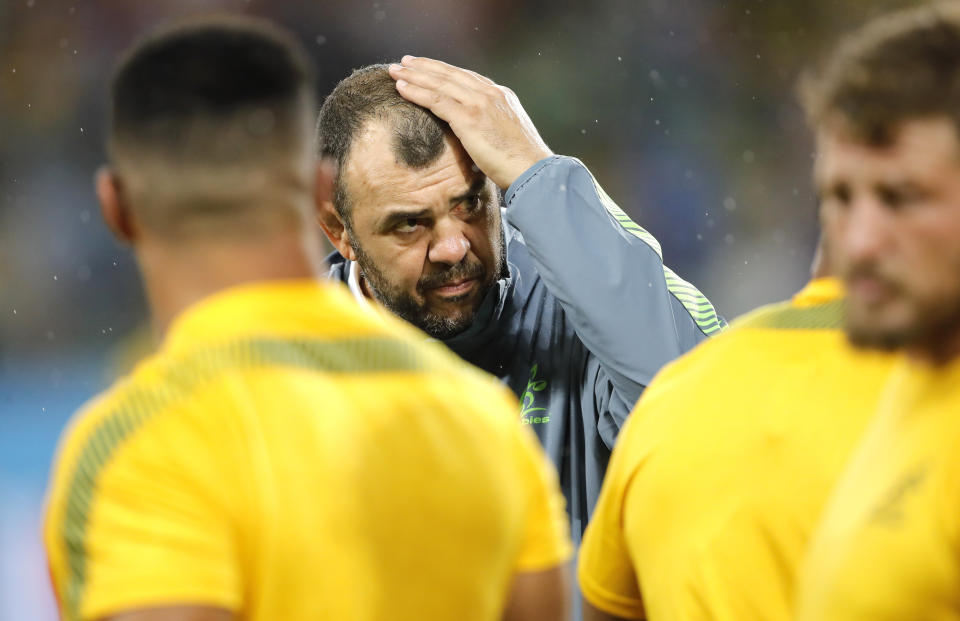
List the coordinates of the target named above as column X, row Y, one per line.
column 114, row 206
column 330, row 220
column 821, row 267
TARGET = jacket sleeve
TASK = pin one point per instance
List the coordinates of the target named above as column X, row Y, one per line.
column 632, row 312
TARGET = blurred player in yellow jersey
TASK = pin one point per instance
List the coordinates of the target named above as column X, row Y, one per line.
column 723, row 468
column 286, row 455
column 886, row 109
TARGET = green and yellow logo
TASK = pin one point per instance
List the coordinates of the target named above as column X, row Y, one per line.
column 529, row 397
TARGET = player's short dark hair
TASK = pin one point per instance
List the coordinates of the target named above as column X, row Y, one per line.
column 366, row 94
column 218, row 91
column 902, row 66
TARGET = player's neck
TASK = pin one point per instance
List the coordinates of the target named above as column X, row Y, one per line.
column 177, row 276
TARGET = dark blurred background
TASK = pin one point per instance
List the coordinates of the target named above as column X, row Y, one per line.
column 683, row 109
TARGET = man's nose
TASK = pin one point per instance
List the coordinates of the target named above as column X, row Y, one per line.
column 868, row 230
column 449, row 245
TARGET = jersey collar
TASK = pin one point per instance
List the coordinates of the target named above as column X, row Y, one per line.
column 270, row 308
column 819, row 291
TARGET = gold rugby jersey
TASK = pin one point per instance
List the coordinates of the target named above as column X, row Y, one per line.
column 290, row 455
column 722, row 470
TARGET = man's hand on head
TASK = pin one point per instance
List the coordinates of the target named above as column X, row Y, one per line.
column 487, row 118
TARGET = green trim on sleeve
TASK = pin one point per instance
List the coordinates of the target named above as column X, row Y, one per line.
column 701, row 310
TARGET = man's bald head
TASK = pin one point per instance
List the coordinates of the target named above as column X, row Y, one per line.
column 369, row 95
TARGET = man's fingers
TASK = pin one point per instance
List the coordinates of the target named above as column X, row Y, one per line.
column 435, row 101
column 444, row 85
column 465, row 77
column 438, row 66
column 487, row 118
column 422, row 62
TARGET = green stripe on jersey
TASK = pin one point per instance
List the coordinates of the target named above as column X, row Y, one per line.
column 183, row 377
column 785, row 316
column 697, row 304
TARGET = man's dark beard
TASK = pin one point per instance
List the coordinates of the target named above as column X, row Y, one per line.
column 866, row 336
column 403, row 305
column 935, row 321
column 886, row 340
column 929, row 335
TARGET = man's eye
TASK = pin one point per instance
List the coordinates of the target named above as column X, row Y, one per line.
column 842, row 194
column 407, row 226
column 473, row 204
column 898, row 199
column 892, row 199
column 835, row 198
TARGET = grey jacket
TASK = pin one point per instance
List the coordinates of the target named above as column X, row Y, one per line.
column 587, row 316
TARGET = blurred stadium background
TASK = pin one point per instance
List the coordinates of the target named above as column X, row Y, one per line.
column 683, row 109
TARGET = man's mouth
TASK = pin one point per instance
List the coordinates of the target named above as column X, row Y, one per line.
column 870, row 290
column 455, row 288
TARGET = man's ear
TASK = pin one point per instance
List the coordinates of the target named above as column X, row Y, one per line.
column 114, row 206
column 821, row 267
column 330, row 220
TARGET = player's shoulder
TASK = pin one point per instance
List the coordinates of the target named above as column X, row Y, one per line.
column 824, row 315
column 818, row 306
column 774, row 329
column 721, row 354
column 764, row 341
column 811, row 321
column 110, row 415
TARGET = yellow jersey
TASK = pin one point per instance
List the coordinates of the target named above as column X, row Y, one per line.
column 887, row 547
column 290, row 455
column 722, row 469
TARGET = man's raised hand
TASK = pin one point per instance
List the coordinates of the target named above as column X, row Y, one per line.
column 487, row 118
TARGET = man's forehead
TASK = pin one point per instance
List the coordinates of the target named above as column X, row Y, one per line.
column 374, row 170
column 915, row 148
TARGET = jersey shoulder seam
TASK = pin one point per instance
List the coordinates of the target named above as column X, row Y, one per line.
column 788, row 316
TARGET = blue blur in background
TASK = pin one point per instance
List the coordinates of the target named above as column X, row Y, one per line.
column 36, row 400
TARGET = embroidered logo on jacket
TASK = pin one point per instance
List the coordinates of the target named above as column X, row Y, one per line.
column 528, row 413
